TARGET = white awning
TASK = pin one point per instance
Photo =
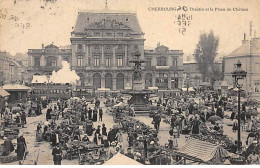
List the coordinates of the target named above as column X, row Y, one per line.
column 120, row 159
column 190, row 89
column 103, row 89
column 153, row 88
column 16, row 87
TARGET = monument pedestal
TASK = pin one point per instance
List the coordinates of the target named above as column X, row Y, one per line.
column 139, row 99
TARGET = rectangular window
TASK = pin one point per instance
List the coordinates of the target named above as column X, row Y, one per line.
column 37, row 62
column 80, row 60
column 119, row 60
column 161, row 61
column 96, row 34
column 96, row 60
column 108, row 60
column 174, row 61
column 109, row 34
column 53, row 63
column 120, row 34
column 148, row 62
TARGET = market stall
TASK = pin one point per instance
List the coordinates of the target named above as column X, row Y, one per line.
column 203, row 152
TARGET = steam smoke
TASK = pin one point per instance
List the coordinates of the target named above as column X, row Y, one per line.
column 64, row 75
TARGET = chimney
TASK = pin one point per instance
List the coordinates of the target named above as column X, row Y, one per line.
column 244, row 40
column 42, row 46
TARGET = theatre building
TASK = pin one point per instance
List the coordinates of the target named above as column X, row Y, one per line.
column 102, row 44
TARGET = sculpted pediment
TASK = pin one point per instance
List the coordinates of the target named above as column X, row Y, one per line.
column 51, row 48
column 108, row 24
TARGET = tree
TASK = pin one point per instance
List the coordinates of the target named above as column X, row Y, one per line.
column 205, row 53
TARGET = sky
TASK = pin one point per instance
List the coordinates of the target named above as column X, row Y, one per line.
column 27, row 24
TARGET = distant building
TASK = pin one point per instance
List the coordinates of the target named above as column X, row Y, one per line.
column 195, row 78
column 249, row 55
column 44, row 61
column 10, row 70
column 164, row 68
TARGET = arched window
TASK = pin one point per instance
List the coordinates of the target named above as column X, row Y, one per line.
column 97, row 80
column 52, row 61
column 120, row 81
column 82, row 79
column 108, row 81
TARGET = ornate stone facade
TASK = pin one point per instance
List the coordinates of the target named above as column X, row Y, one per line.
column 102, row 44
column 44, row 61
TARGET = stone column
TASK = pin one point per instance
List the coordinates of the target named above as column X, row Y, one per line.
column 153, row 80
column 59, row 61
column 32, row 61
column 102, row 62
column 42, row 63
column 126, row 57
column 86, row 55
column 114, row 82
column 169, row 81
column 114, row 56
column 102, row 80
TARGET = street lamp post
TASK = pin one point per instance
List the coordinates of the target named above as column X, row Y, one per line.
column 188, row 83
column 11, row 65
column 237, row 75
column 48, row 79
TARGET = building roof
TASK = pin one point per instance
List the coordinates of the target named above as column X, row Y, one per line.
column 3, row 93
column 87, row 20
column 15, row 87
column 65, row 47
column 244, row 49
column 16, row 63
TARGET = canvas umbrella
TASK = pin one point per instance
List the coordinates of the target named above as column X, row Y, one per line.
column 213, row 119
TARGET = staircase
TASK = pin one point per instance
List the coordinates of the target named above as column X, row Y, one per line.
column 141, row 109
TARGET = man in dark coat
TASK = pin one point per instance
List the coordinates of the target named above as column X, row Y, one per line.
column 48, row 113
column 100, row 114
column 104, row 129
column 21, row 146
column 243, row 116
column 95, row 112
column 23, row 118
column 173, row 120
column 110, row 136
column 157, row 120
column 191, row 108
column 57, row 155
column 195, row 126
column 89, row 113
